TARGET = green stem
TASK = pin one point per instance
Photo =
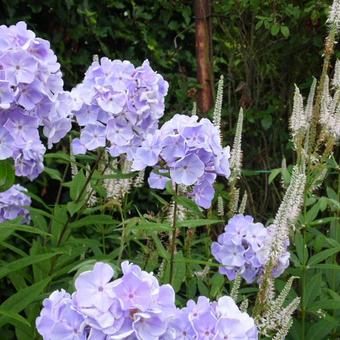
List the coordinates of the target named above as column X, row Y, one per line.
column 123, row 236
column 173, row 238
column 64, row 228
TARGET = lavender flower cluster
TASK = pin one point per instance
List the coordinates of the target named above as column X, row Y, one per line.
column 118, row 103
column 244, row 248
column 12, row 203
column 31, row 95
column 216, row 320
column 135, row 306
column 189, row 152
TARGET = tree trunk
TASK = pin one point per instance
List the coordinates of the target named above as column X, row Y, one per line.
column 202, row 10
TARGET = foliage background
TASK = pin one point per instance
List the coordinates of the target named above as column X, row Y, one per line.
column 269, row 45
column 263, row 43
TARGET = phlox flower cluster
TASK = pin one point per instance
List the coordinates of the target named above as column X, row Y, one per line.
column 215, row 320
column 12, row 203
column 31, row 95
column 134, row 306
column 117, row 104
column 188, row 151
column 244, row 249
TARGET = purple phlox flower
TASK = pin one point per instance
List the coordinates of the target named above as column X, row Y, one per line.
column 93, row 136
column 174, row 148
column 87, row 114
column 22, row 128
column 256, row 236
column 132, row 292
column 59, row 319
column 31, row 95
column 203, row 193
column 13, row 202
column 19, row 67
column 147, row 154
column 158, row 181
column 204, row 326
column 148, row 326
column 244, row 248
column 189, row 149
column 28, row 159
column 129, row 101
column 110, row 99
column 180, row 327
column 57, row 130
column 221, row 162
column 94, row 289
column 118, row 132
column 6, row 144
column 21, row 34
column 6, row 95
column 187, row 170
column 134, row 306
column 232, row 323
column 77, row 147
column 151, row 306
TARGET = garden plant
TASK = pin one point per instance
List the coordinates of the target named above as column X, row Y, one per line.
column 120, row 221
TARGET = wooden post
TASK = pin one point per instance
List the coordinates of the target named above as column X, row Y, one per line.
column 202, row 10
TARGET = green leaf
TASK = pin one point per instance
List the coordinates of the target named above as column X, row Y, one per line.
column 326, row 304
column 273, row 174
column 275, row 29
column 73, row 207
column 179, row 272
column 6, row 174
column 24, row 262
column 285, row 31
column 198, row 223
column 325, row 266
column 10, row 228
column 319, row 330
column 317, row 258
column 188, row 203
column 53, row 173
column 312, row 289
column 23, row 298
column 152, row 226
column 77, row 185
column 217, row 283
column 14, row 317
column 160, row 248
column 92, row 220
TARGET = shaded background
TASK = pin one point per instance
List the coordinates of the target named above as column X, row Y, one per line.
column 261, row 47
